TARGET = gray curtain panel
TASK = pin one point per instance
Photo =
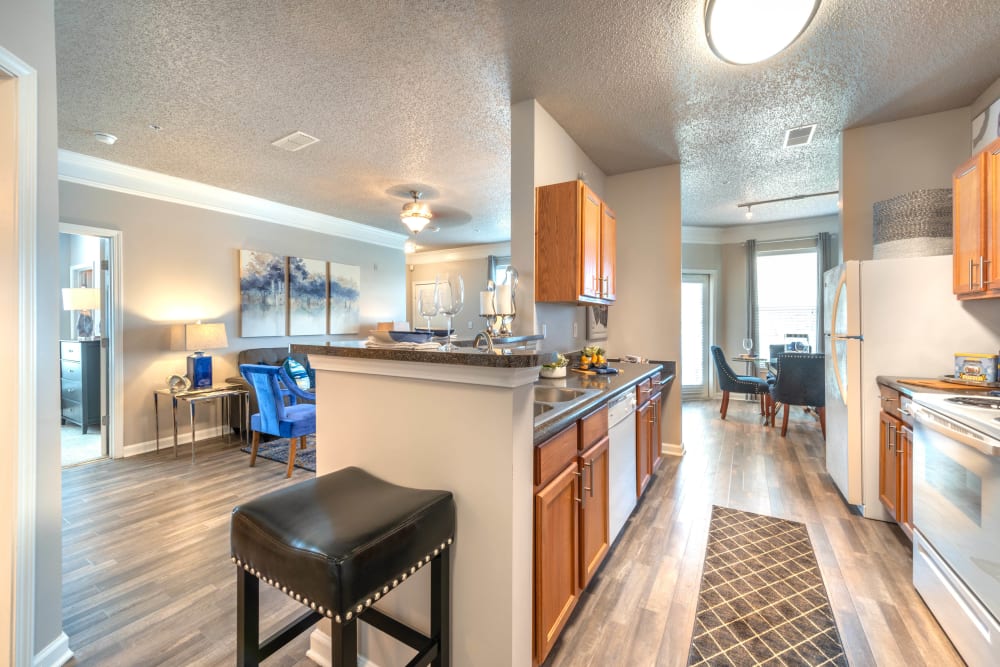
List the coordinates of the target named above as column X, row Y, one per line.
column 752, row 328
column 826, row 259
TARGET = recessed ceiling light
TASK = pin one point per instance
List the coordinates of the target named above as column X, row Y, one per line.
column 746, row 31
column 105, row 138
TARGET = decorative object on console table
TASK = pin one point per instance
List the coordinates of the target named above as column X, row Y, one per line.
column 85, row 300
column 199, row 337
column 80, row 382
column 263, row 278
column 597, row 322
column 345, row 296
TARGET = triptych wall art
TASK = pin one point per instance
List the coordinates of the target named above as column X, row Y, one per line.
column 295, row 296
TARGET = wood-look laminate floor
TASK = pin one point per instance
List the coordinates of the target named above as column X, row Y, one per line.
column 147, row 578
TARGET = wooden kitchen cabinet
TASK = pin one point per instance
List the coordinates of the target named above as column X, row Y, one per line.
column 655, row 432
column 976, row 225
column 888, row 463
column 904, row 452
column 643, row 465
column 575, row 244
column 594, row 510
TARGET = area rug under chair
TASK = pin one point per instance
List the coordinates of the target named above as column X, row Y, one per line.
column 277, row 450
column 762, row 600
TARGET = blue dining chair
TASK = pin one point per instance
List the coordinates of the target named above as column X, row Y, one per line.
column 294, row 421
column 729, row 381
column 801, row 380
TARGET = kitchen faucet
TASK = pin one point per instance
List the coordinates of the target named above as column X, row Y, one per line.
column 484, row 335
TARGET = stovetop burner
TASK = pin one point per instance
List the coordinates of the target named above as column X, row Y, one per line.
column 991, row 403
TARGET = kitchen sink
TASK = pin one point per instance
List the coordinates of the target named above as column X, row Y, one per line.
column 541, row 408
column 558, row 394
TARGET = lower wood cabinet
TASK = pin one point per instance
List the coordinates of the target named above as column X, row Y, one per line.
column 895, row 462
column 643, row 464
column 594, row 509
column 888, row 463
column 655, row 432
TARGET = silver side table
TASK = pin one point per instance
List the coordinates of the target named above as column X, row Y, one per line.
column 220, row 394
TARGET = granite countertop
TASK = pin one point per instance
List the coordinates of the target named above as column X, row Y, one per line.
column 610, row 385
column 893, row 382
column 462, row 357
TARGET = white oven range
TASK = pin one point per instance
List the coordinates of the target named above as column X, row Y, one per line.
column 956, row 518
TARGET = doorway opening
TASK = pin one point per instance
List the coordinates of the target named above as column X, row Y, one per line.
column 696, row 317
column 87, row 342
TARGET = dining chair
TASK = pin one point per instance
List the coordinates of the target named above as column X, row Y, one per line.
column 294, row 421
column 729, row 382
column 800, row 381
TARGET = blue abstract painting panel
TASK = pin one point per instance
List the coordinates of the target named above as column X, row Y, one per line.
column 307, row 296
column 345, row 298
column 263, row 307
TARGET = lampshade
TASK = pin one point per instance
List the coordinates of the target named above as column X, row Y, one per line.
column 416, row 214
column 744, row 31
column 200, row 336
column 81, row 298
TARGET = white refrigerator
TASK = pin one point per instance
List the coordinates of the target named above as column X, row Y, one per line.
column 888, row 317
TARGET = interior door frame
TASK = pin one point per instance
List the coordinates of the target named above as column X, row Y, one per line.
column 114, row 326
column 18, row 565
column 711, row 387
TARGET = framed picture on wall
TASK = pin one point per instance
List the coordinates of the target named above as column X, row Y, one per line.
column 597, row 322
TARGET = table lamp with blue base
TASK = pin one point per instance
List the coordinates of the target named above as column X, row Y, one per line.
column 199, row 337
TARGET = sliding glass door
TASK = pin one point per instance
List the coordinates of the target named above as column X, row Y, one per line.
column 695, row 317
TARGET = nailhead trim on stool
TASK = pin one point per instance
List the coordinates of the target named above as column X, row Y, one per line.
column 360, row 607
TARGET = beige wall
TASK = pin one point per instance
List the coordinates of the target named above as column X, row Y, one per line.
column 543, row 153
column 889, row 159
column 181, row 264
column 645, row 320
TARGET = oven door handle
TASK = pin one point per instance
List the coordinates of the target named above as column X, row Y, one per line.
column 957, row 432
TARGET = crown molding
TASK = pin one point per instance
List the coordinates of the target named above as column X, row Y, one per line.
column 108, row 175
column 765, row 231
column 459, row 254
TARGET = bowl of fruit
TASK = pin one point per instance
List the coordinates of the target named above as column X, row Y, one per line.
column 593, row 357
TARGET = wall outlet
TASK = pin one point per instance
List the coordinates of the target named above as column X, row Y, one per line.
column 470, row 324
column 576, row 330
column 545, row 329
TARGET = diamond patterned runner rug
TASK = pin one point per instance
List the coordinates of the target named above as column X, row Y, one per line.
column 277, row 450
column 762, row 599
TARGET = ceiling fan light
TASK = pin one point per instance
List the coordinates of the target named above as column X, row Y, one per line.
column 749, row 31
column 416, row 214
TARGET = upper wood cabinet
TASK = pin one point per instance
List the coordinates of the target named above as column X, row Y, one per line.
column 574, row 245
column 976, row 225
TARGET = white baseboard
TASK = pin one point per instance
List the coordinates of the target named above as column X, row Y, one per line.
column 673, row 449
column 319, row 650
column 167, row 441
column 55, row 654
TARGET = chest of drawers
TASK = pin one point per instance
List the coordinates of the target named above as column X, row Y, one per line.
column 80, row 382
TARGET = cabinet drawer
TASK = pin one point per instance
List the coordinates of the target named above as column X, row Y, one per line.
column 890, row 400
column 69, row 349
column 72, row 390
column 593, row 427
column 70, row 370
column 643, row 391
column 555, row 454
column 72, row 412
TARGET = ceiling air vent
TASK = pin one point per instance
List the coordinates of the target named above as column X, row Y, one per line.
column 799, row 136
column 295, row 141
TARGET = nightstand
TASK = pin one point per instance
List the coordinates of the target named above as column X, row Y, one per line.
column 80, row 382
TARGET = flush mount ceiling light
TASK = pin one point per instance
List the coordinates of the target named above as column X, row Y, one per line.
column 105, row 138
column 416, row 214
column 749, row 31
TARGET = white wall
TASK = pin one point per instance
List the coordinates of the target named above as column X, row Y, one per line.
column 889, row 159
column 181, row 265
column 645, row 320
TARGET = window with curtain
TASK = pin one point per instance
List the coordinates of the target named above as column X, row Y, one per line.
column 786, row 297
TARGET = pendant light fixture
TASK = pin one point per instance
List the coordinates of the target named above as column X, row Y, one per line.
column 749, row 31
column 416, row 214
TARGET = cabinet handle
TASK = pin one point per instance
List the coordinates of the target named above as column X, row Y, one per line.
column 891, row 444
column 982, row 263
column 583, row 496
column 590, row 464
column 607, row 285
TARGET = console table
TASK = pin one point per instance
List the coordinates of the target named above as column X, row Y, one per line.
column 221, row 393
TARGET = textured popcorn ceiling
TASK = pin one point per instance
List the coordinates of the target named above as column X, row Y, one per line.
column 417, row 94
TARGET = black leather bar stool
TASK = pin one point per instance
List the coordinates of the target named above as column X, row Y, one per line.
column 337, row 544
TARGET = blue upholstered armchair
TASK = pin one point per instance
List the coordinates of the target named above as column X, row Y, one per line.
column 729, row 381
column 801, row 381
column 294, row 421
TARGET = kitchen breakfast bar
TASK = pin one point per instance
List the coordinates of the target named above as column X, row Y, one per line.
column 460, row 421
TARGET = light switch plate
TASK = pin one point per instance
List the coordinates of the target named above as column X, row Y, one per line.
column 576, row 330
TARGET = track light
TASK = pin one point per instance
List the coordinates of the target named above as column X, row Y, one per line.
column 748, row 204
column 749, row 213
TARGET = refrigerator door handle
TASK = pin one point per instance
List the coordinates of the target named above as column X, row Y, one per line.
column 859, row 337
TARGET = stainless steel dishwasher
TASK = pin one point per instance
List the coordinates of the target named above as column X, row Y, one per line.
column 621, row 461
